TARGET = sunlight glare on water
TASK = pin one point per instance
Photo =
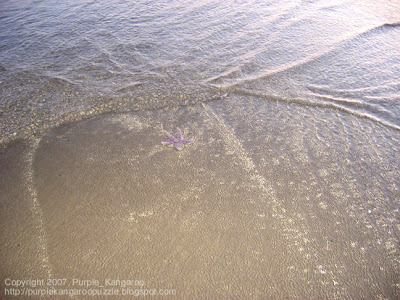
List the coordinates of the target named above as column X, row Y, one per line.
column 294, row 108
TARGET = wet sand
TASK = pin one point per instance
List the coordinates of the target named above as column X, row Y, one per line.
column 267, row 202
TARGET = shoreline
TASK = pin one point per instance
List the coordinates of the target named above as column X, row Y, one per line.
column 249, row 209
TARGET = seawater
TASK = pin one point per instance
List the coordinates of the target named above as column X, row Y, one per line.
column 291, row 187
column 67, row 60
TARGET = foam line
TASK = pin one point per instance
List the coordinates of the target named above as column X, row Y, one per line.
column 35, row 206
column 235, row 146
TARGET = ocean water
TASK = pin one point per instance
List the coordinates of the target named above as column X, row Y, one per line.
column 66, row 60
column 291, row 188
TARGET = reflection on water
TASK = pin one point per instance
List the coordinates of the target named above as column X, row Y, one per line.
column 311, row 120
column 67, row 60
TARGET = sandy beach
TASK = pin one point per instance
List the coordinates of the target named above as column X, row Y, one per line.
column 290, row 189
column 248, row 210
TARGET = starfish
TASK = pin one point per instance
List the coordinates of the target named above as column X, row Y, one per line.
column 176, row 141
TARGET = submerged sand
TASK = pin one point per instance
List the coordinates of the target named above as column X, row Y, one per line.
column 269, row 201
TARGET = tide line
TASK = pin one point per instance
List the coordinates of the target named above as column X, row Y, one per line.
column 35, row 206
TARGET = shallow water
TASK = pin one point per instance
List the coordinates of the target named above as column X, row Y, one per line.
column 68, row 60
column 291, row 188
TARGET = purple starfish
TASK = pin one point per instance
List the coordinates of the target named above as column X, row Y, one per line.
column 176, row 141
